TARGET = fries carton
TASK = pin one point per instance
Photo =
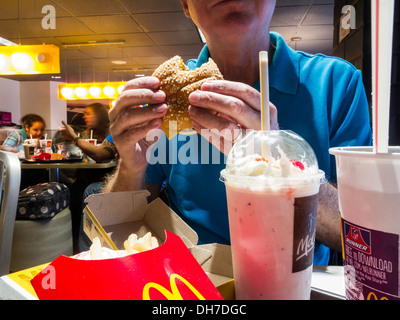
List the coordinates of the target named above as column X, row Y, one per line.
column 169, row 271
column 112, row 217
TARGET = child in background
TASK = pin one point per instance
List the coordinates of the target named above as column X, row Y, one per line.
column 33, row 127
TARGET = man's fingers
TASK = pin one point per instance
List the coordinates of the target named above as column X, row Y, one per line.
column 241, row 91
column 234, row 108
column 133, row 98
column 136, row 117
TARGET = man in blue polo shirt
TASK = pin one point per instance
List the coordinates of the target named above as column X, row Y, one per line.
column 320, row 98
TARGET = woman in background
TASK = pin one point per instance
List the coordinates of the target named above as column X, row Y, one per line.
column 97, row 127
column 97, row 122
column 33, row 127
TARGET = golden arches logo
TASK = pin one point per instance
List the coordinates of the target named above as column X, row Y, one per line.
column 174, row 294
column 373, row 296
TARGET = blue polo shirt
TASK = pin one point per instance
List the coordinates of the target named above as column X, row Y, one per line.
column 320, row 98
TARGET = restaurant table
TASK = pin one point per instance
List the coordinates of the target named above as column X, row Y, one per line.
column 327, row 283
column 54, row 167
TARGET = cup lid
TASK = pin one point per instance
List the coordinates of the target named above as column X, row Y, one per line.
column 271, row 156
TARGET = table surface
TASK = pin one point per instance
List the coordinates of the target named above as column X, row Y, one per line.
column 327, row 283
column 68, row 165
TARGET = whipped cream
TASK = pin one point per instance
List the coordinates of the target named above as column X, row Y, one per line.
column 256, row 165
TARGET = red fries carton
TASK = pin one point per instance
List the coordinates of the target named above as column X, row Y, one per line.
column 169, row 271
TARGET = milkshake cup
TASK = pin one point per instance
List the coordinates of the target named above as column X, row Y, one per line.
column 272, row 182
column 369, row 202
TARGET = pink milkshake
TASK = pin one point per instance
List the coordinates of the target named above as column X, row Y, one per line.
column 272, row 182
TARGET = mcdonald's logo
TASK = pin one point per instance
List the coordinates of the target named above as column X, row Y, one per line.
column 174, row 294
column 373, row 296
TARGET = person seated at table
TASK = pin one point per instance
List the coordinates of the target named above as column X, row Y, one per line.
column 96, row 126
column 105, row 151
column 33, row 127
column 320, row 98
column 97, row 122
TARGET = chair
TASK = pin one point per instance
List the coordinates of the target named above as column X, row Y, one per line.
column 10, row 177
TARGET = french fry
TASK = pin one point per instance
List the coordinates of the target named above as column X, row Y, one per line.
column 132, row 245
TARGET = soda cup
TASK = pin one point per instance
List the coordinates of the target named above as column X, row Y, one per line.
column 30, row 147
column 272, row 182
column 369, row 202
column 45, row 146
column 92, row 141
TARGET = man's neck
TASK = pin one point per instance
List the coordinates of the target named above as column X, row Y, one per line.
column 239, row 61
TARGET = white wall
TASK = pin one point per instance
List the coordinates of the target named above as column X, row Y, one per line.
column 58, row 107
column 41, row 97
column 10, row 98
column 35, row 98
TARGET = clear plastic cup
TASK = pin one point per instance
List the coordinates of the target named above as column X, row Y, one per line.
column 272, row 182
column 369, row 202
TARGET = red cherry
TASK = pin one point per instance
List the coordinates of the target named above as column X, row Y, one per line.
column 297, row 164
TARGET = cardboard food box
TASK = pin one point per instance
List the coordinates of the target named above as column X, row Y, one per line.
column 112, row 217
column 169, row 271
column 132, row 214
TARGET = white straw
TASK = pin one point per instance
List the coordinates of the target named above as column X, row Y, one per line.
column 382, row 14
column 264, row 87
column 91, row 134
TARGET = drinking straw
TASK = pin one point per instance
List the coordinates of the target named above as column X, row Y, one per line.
column 382, row 14
column 91, row 134
column 264, row 87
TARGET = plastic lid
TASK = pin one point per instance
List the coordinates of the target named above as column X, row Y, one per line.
column 272, row 157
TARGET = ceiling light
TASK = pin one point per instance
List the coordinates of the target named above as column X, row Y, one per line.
column 296, row 39
column 109, row 91
column 4, row 61
column 119, row 62
column 95, row 91
column 67, row 93
column 120, row 88
column 92, row 90
column 81, row 92
column 29, row 59
column 93, row 43
column 22, row 62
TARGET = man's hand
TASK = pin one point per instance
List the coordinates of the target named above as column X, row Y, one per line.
column 129, row 124
column 237, row 105
column 67, row 132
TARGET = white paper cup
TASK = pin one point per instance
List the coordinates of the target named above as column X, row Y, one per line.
column 92, row 141
column 45, row 143
column 369, row 203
